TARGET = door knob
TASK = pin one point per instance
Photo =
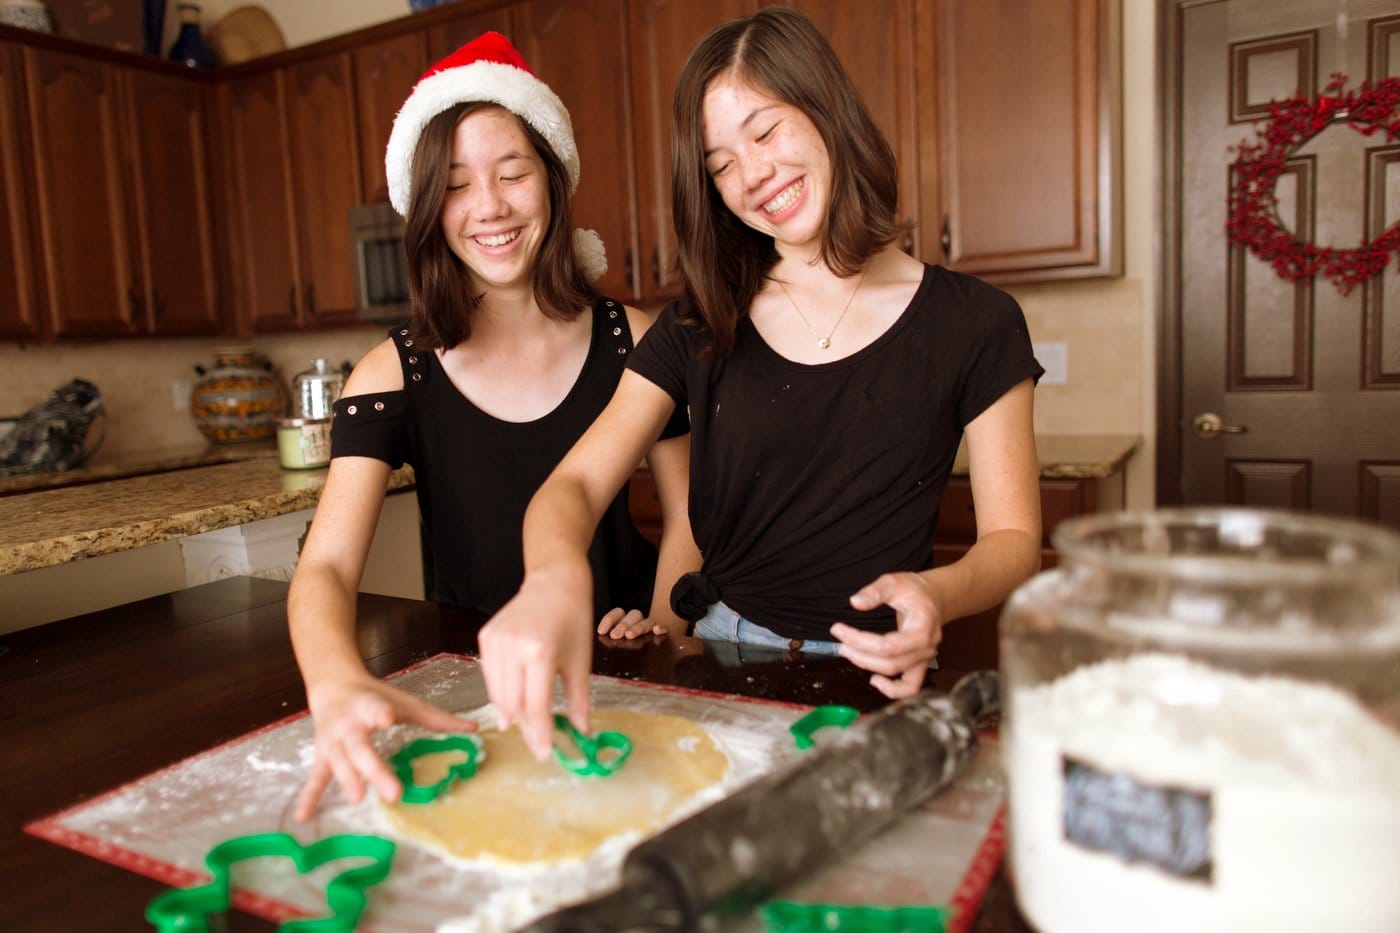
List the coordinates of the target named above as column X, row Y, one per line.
column 1208, row 425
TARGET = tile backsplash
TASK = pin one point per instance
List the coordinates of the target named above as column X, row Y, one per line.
column 140, row 379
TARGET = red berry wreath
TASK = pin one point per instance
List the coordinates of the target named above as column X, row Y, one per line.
column 1254, row 221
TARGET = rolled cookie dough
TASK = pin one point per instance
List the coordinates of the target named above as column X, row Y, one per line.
column 519, row 810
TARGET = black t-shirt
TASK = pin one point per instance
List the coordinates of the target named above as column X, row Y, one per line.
column 809, row 481
column 475, row 474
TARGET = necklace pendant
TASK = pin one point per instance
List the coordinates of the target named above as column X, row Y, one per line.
column 823, row 343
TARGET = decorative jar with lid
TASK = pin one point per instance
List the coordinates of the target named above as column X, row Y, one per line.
column 1203, row 725
column 239, row 398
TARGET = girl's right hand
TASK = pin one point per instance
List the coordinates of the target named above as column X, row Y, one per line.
column 346, row 715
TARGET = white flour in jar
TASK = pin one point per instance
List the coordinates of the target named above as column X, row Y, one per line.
column 1157, row 793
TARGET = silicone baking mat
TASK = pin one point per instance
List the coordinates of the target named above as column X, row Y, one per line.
column 163, row 824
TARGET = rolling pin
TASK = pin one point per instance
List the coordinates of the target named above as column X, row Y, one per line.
column 736, row 853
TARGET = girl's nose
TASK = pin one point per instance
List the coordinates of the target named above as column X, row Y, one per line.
column 755, row 170
column 487, row 202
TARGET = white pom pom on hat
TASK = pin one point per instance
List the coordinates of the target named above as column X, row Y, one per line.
column 488, row 68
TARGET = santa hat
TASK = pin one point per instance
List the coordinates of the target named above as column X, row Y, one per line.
column 488, row 68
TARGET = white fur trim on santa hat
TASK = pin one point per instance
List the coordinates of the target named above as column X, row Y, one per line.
column 518, row 91
column 591, row 253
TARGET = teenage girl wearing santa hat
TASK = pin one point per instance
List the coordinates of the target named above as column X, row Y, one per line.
column 509, row 356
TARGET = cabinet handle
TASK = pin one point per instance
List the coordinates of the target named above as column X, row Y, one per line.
column 292, row 300
column 157, row 306
column 656, row 265
column 134, row 301
column 627, row 267
column 945, row 239
column 311, row 297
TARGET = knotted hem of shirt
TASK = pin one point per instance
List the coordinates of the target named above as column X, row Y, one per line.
column 693, row 595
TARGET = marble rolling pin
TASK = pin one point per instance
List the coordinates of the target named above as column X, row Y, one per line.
column 741, row 850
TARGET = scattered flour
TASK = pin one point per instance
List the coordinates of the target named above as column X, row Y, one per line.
column 1157, row 793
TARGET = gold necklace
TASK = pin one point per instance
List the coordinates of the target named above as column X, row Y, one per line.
column 824, row 342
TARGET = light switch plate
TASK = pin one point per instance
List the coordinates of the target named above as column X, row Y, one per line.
column 1054, row 356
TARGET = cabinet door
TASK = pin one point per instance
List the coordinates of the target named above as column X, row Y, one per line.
column 266, row 285
column 446, row 38
column 85, row 229
column 578, row 47
column 875, row 42
column 19, row 313
column 385, row 72
column 325, row 157
column 170, row 184
column 662, row 33
column 1026, row 122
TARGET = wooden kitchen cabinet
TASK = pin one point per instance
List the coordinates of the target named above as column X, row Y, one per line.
column 293, row 175
column 1019, row 137
column 971, row 643
column 84, row 230
column 121, row 196
column 19, row 310
column 578, row 47
column 661, row 34
column 173, row 190
column 385, row 71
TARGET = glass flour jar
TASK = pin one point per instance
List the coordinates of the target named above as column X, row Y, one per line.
column 1202, row 726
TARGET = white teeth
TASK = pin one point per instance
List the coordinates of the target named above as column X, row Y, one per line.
column 785, row 197
column 500, row 239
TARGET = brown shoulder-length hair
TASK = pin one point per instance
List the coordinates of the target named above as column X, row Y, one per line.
column 722, row 260
column 440, row 288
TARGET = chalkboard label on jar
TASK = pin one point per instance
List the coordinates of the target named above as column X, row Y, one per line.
column 1165, row 827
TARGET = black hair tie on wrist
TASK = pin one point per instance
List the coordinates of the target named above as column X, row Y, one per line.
column 693, row 595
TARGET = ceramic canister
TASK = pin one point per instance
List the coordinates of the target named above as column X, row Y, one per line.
column 239, row 398
column 303, row 443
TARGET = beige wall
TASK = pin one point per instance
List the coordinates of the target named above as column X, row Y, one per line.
column 1109, row 325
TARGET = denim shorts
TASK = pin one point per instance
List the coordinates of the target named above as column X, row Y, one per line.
column 721, row 623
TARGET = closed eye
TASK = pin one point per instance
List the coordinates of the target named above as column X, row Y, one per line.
column 721, row 170
column 768, row 132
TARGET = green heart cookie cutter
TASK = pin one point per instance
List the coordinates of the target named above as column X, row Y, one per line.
column 588, row 764
column 821, row 718
column 402, row 763
column 187, row 910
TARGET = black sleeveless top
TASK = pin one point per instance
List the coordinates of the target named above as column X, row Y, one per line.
column 475, row 474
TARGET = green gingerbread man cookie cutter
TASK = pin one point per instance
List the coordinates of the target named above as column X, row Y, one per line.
column 588, row 763
column 187, row 910
column 402, row 763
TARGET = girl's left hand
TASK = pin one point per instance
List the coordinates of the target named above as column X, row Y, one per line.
column 628, row 624
column 899, row 659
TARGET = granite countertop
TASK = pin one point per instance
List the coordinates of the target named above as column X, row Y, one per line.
column 107, row 466
column 55, row 526
column 126, row 504
column 1074, row 456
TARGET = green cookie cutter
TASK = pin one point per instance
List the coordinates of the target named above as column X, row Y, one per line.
column 587, row 764
column 788, row 917
column 187, row 910
column 820, row 718
column 402, row 763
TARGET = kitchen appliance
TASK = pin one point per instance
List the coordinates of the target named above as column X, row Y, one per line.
column 780, row 827
column 316, row 389
column 381, row 268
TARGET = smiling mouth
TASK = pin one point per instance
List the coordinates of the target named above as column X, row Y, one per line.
column 783, row 199
column 497, row 239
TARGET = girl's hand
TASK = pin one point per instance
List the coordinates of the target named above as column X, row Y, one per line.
column 346, row 715
column 628, row 624
column 899, row 659
column 541, row 632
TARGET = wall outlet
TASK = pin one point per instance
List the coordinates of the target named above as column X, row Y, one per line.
column 180, row 391
column 1054, row 356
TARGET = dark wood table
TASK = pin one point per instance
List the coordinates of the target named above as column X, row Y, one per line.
column 93, row 702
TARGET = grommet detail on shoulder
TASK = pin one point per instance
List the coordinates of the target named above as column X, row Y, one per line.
column 413, row 359
column 408, row 343
column 617, row 331
column 417, row 377
column 378, row 406
column 404, row 332
column 350, row 409
column 612, row 314
column 610, row 303
column 621, row 351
